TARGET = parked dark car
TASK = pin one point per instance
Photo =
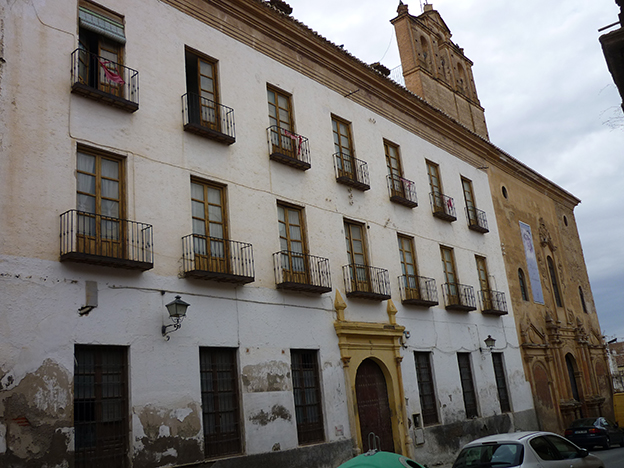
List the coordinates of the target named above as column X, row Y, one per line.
column 589, row 432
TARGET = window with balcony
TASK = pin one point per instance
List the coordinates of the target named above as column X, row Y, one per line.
column 442, row 206
column 467, row 385
column 426, row 388
column 457, row 296
column 492, row 302
column 554, row 282
column 203, row 114
column 208, row 252
column 220, row 402
column 100, row 406
column 415, row 290
column 295, row 268
column 349, row 170
column 401, row 190
column 501, row 382
column 477, row 221
column 285, row 145
column 98, row 70
column 98, row 231
column 361, row 279
column 307, row 396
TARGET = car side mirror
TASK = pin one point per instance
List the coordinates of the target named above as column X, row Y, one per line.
column 583, row 453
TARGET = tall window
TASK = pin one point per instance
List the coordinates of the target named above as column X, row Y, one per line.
column 554, row 282
column 582, row 297
column 469, row 199
column 408, row 266
column 356, row 253
column 428, row 400
column 450, row 276
column 484, row 282
column 220, row 401
column 467, row 384
column 292, row 243
column 307, row 394
column 209, row 226
column 99, row 199
column 523, row 285
column 202, row 88
column 501, row 382
column 101, row 40
column 394, row 168
column 343, row 147
column 433, row 170
column 100, row 407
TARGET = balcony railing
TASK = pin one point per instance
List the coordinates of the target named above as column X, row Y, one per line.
column 459, row 297
column 493, row 302
column 288, row 148
column 217, row 259
column 351, row 171
column 477, row 221
column 100, row 79
column 366, row 282
column 301, row 272
column 402, row 191
column 418, row 290
column 102, row 240
column 208, row 118
column 442, row 206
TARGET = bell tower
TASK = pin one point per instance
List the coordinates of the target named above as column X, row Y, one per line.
column 436, row 69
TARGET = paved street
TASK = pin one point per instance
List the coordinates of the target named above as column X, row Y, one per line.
column 613, row 458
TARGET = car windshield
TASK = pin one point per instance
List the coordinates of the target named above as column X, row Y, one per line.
column 587, row 422
column 495, row 455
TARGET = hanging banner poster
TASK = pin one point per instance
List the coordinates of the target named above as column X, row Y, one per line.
column 529, row 251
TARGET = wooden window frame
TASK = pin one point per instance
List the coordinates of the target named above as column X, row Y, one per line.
column 346, row 159
column 426, row 388
column 291, row 271
column 210, row 253
column 453, row 287
column 193, row 87
column 98, row 243
column 361, row 275
column 412, row 284
column 220, row 443
column 101, row 407
column 434, row 166
column 498, row 363
column 467, row 385
column 278, row 92
column 470, row 200
column 396, row 174
column 306, row 384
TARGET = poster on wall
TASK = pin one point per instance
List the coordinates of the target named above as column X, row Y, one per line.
column 529, row 251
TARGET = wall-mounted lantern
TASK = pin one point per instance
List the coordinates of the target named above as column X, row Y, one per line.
column 177, row 312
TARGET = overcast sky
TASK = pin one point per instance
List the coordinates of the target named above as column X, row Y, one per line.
column 549, row 101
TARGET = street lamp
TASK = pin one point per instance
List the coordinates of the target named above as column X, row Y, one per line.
column 177, row 312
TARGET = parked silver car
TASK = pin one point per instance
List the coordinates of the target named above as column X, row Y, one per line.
column 525, row 450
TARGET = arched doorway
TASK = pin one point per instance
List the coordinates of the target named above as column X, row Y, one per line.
column 373, row 407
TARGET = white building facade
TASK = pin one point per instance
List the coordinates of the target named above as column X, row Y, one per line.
column 333, row 234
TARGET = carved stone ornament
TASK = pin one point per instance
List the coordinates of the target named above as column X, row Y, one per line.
column 544, row 235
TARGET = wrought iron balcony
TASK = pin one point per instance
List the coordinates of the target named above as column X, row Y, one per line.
column 102, row 240
column 217, row 259
column 459, row 297
column 442, row 206
column 418, row 290
column 477, row 221
column 208, row 118
column 288, row 148
column 402, row 191
column 351, row 171
column 366, row 282
column 301, row 272
column 493, row 302
column 100, row 79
